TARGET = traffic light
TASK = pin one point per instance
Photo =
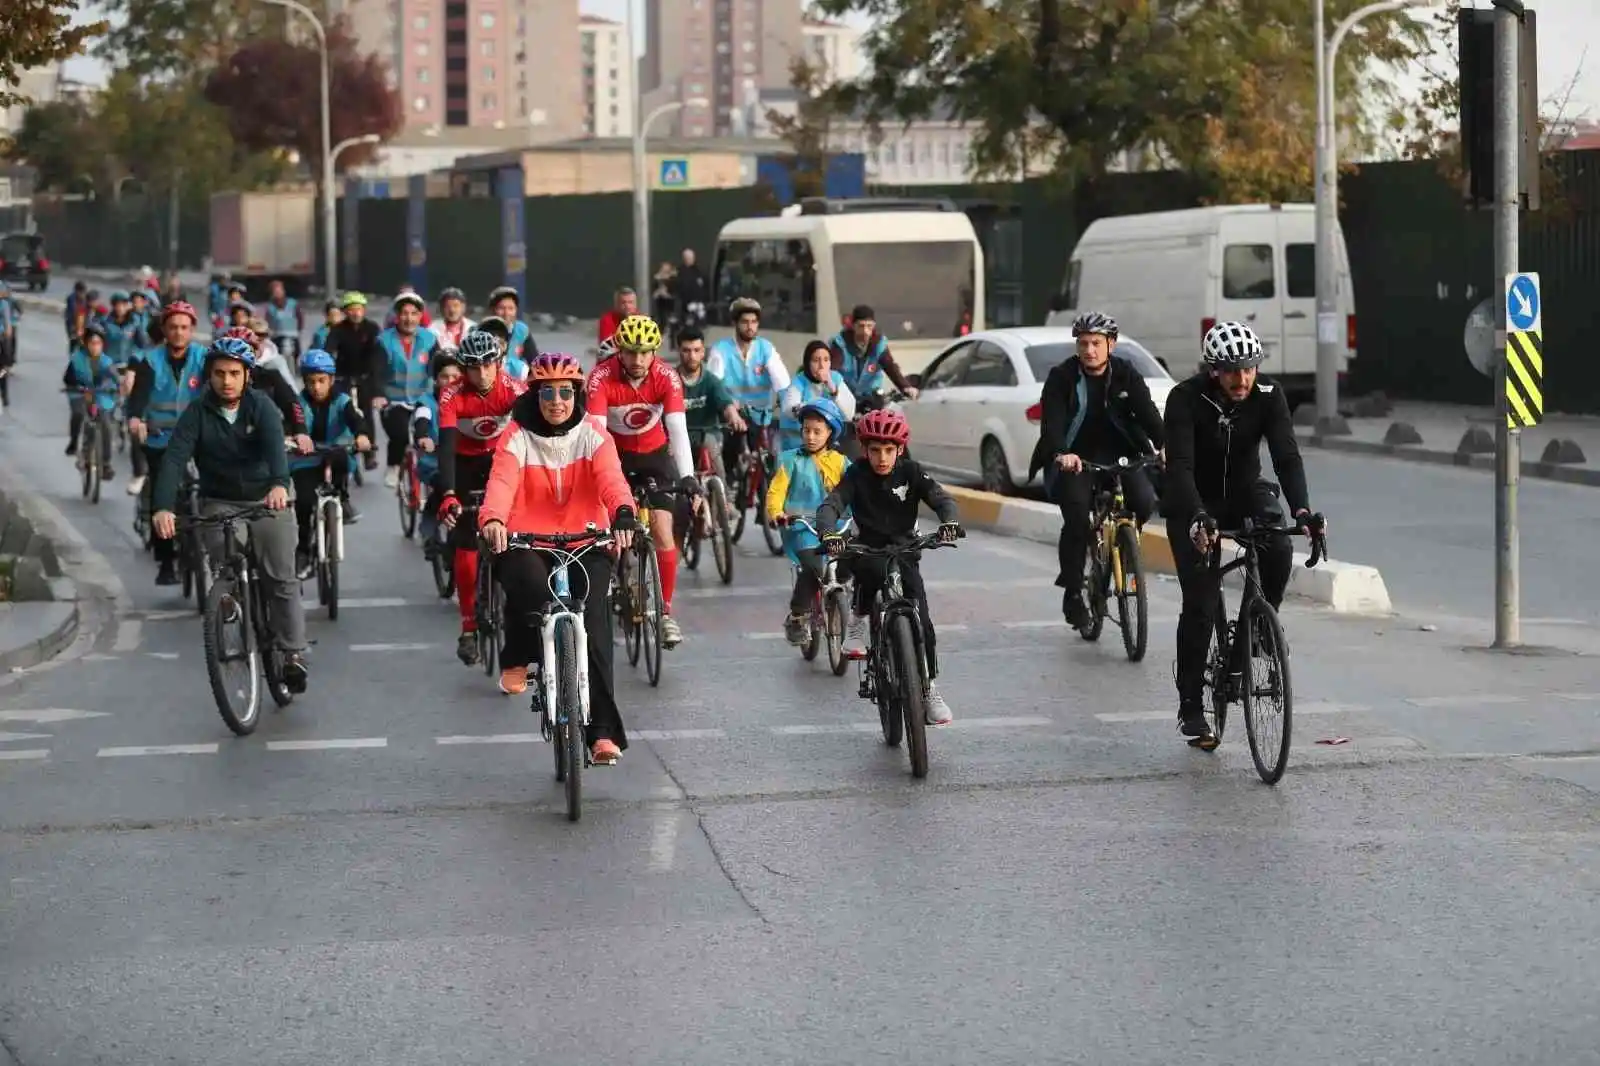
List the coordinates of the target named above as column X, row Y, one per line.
column 1475, row 39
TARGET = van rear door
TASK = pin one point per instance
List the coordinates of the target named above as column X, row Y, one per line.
column 1252, row 286
column 1300, row 294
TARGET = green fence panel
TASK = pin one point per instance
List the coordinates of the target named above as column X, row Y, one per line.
column 580, row 248
column 464, row 246
column 382, row 232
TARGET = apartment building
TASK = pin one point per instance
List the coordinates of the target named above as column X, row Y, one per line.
column 725, row 52
column 608, row 71
column 834, row 48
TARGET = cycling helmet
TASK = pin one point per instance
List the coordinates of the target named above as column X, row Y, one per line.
column 638, row 333
column 316, row 361
column 452, row 293
column 888, row 426
column 353, row 299
column 744, row 306
column 1095, row 322
column 179, row 307
column 505, row 292
column 828, row 411
column 442, row 358
column 240, row 333
column 231, row 348
column 408, row 298
column 94, row 329
column 1231, row 346
column 120, row 295
column 479, row 347
column 608, row 347
column 555, row 366
column 497, row 327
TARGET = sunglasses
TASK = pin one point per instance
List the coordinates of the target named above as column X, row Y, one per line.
column 557, row 392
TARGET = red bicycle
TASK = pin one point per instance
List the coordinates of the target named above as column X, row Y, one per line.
column 408, row 493
column 708, row 519
column 750, row 480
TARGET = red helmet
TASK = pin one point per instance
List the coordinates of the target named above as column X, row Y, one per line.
column 242, row 333
column 180, row 307
column 888, row 426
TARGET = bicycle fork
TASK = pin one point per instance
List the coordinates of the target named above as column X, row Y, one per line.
column 333, row 552
column 549, row 677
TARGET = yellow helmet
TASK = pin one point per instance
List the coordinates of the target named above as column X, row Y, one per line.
column 638, row 333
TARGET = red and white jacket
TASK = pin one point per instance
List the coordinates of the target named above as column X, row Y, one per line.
column 643, row 417
column 450, row 336
column 555, row 484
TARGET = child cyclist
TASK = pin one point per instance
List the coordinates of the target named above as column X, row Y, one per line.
column 884, row 490
column 330, row 419
column 90, row 369
column 802, row 478
column 445, row 368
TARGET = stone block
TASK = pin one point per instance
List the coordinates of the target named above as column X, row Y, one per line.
column 1401, row 434
column 1476, row 441
column 1563, row 452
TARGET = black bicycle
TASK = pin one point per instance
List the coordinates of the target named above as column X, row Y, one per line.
column 239, row 642
column 194, row 567
column 1233, row 675
column 1116, row 570
column 894, row 670
column 636, row 596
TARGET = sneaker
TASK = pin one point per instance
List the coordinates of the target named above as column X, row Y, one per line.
column 107, row 474
column 72, row 447
column 391, row 477
column 796, row 627
column 467, row 647
column 855, row 637
column 937, row 710
column 136, row 486
column 303, row 566
column 671, row 635
column 351, row 515
column 1192, row 719
column 514, row 680
column 605, row 753
column 294, row 672
column 167, row 574
column 1073, row 609
column 370, row 462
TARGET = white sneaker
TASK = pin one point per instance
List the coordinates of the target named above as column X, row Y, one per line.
column 855, row 636
column 391, row 477
column 938, row 711
column 136, row 486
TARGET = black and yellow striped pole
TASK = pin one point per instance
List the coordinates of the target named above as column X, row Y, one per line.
column 1524, row 352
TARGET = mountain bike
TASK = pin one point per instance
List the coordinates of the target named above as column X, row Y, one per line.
column 1264, row 691
column 89, row 465
column 327, row 529
column 825, row 624
column 708, row 519
column 749, row 479
column 1116, row 570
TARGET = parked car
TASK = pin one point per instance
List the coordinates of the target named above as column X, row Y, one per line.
column 22, row 259
column 976, row 417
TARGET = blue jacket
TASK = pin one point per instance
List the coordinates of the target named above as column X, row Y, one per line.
column 425, row 424
column 749, row 382
column 406, row 380
column 800, row 482
column 99, row 375
column 863, row 373
column 282, row 321
column 334, row 422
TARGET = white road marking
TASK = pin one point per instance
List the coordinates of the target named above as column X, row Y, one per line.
column 489, row 738
column 19, row 754
column 101, row 657
column 719, row 592
column 1577, row 697
column 324, row 745
column 159, row 749
column 1043, row 623
column 169, row 616
column 7, row 738
column 679, row 734
column 1470, row 700
column 392, row 647
column 166, row 655
column 999, row 723
column 373, row 602
column 1172, row 716
column 130, row 632
column 663, row 841
column 814, row 730
column 957, row 627
column 50, row 714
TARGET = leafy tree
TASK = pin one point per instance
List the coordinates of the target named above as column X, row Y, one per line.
column 36, row 32
column 808, row 130
column 60, row 142
column 168, row 38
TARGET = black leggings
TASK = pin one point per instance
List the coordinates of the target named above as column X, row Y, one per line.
column 397, row 430
column 525, row 576
column 1074, row 495
column 869, row 574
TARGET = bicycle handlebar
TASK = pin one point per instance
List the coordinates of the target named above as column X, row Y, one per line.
column 1123, row 465
column 1255, row 535
column 249, row 513
column 592, row 535
column 923, row 543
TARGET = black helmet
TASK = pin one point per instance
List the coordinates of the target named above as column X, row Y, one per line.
column 1095, row 322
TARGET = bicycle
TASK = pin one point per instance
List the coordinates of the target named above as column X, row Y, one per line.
column 827, row 615
column 489, row 611
column 1231, row 677
column 750, row 479
column 1116, row 568
column 194, row 568
column 236, row 609
column 89, row 465
column 327, row 529
column 708, row 520
column 636, row 588
column 894, row 669
column 561, row 694
column 408, row 493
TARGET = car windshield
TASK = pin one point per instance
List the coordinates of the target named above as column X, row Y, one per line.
column 1042, row 357
column 18, row 244
column 916, row 288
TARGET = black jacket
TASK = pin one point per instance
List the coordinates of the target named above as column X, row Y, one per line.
column 1129, row 412
column 1214, row 447
column 885, row 507
column 354, row 347
column 238, row 461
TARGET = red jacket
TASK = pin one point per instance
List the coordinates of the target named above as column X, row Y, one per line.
column 608, row 325
column 559, row 484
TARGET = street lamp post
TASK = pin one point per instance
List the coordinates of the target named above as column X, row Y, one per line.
column 641, row 193
column 1330, row 338
column 329, row 251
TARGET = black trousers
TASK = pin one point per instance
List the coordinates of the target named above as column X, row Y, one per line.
column 397, row 431
column 808, row 581
column 1197, row 618
column 870, row 574
column 363, row 390
column 1074, row 495
column 166, row 548
column 525, row 576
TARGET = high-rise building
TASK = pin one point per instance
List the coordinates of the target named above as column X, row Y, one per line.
column 608, row 69
column 723, row 51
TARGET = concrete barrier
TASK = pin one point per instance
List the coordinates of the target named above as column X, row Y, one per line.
column 1348, row 588
column 39, row 615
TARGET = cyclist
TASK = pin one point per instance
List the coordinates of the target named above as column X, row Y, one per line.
column 165, row 379
column 816, row 381
column 624, row 304
column 234, row 434
column 556, row 473
column 91, row 370
column 9, row 312
column 407, row 352
column 274, row 381
column 217, row 301
column 640, row 400
column 332, row 419
column 239, row 312
column 506, row 305
column 1096, row 408
column 284, row 321
column 353, row 341
column 884, row 490
column 146, row 315
column 123, row 329
column 707, row 403
column 408, row 290
column 801, row 480
column 1215, row 423
column 753, row 371
column 472, row 419
column 268, row 355
column 452, row 323
column 331, row 316
column 446, row 372
column 862, row 355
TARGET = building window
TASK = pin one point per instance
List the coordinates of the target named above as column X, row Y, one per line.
column 747, row 45
column 487, row 101
column 422, row 76
column 420, row 104
column 486, row 48
column 749, row 67
column 422, row 49
column 486, row 20
column 613, row 110
column 890, row 156
column 488, row 75
column 522, row 26
column 722, row 48
column 420, row 22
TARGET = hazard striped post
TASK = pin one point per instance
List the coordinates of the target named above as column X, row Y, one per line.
column 1524, row 352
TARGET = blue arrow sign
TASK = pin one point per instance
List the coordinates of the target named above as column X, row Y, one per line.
column 1522, row 301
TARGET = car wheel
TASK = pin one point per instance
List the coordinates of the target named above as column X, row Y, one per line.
column 996, row 471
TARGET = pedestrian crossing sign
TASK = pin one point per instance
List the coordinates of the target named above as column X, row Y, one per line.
column 674, row 173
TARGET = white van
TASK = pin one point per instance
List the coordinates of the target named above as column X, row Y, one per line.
column 916, row 263
column 1168, row 277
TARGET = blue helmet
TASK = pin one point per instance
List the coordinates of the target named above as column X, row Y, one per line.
column 316, row 361
column 828, row 411
column 232, row 348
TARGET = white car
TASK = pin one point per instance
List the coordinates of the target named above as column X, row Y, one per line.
column 976, row 417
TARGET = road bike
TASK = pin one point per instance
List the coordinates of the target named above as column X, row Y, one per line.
column 636, row 596
column 825, row 622
column 708, row 519
column 327, row 529
column 750, row 478
column 894, row 669
column 561, row 691
column 1264, row 690
column 1116, row 569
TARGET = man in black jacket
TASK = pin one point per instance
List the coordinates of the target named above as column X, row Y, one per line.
column 1096, row 408
column 353, row 343
column 1215, row 424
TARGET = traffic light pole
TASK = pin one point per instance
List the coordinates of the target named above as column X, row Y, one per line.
column 1508, row 442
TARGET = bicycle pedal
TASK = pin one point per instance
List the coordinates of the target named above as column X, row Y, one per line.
column 1205, row 743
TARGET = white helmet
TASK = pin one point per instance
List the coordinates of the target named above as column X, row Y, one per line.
column 1232, row 346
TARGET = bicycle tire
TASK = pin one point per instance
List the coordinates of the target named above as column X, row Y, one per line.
column 1264, row 626
column 88, row 469
column 833, row 623
column 654, row 611
column 1096, row 585
column 330, row 530
column 815, row 635
column 908, row 678
column 403, row 499
column 721, row 535
column 1133, row 604
column 569, row 718
column 688, row 537
column 743, row 499
column 1217, row 671
column 889, row 717
column 770, row 532
column 493, row 612
column 201, row 567
column 442, row 560
column 271, row 657
column 221, row 602
column 632, row 606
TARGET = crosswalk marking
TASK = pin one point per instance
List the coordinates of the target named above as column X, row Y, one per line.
column 24, row 754
column 158, row 749
column 319, row 745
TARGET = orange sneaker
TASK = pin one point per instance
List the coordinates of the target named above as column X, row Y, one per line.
column 514, row 680
column 605, row 753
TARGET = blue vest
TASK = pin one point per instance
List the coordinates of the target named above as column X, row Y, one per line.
column 335, row 433
column 806, row 494
column 789, row 424
column 428, row 462
column 283, row 321
column 100, row 375
column 6, row 315
column 171, row 392
column 865, row 374
column 122, row 339
column 319, row 339
column 749, row 382
column 408, row 378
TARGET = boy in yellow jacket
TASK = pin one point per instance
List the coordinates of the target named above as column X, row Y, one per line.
column 800, row 482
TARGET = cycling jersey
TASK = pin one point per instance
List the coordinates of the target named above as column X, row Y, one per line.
column 405, row 364
column 448, row 335
column 645, row 417
column 476, row 420
column 754, row 378
column 704, row 400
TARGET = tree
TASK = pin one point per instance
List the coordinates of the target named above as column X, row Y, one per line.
column 36, row 32
column 808, row 130
column 272, row 93
column 60, row 141
column 170, row 38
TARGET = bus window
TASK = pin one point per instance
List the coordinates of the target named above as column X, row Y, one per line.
column 916, row 288
column 778, row 273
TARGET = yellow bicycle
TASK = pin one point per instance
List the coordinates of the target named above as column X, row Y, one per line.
column 1115, row 567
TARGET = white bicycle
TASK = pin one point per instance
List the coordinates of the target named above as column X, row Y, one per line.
column 826, row 619
column 327, row 529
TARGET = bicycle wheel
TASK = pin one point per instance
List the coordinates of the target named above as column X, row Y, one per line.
column 1268, row 692
column 88, row 463
column 443, row 561
column 815, row 635
column 633, row 600
column 271, row 657
column 492, row 610
column 328, row 571
column 650, row 630
column 1133, row 608
column 887, row 694
column 833, row 625
column 741, row 502
column 1218, row 673
column 405, row 501
column 721, row 535
column 233, row 662
column 908, row 679
column 769, row 529
column 689, row 540
column 569, row 719
column 1095, row 584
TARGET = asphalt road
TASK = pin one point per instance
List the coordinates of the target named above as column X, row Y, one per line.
column 382, row 875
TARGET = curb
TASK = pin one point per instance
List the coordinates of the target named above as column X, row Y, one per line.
column 1570, row 475
column 1346, row 588
column 45, row 647
column 36, row 572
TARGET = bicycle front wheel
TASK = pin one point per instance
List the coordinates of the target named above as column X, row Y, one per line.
column 233, row 662
column 1268, row 693
column 833, row 626
column 1096, row 588
column 405, row 502
column 908, row 679
column 721, row 535
column 492, row 609
column 330, row 564
column 1133, row 608
column 569, row 719
column 769, row 529
column 653, row 610
column 632, row 603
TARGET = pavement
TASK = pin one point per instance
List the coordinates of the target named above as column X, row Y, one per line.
column 381, row 873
